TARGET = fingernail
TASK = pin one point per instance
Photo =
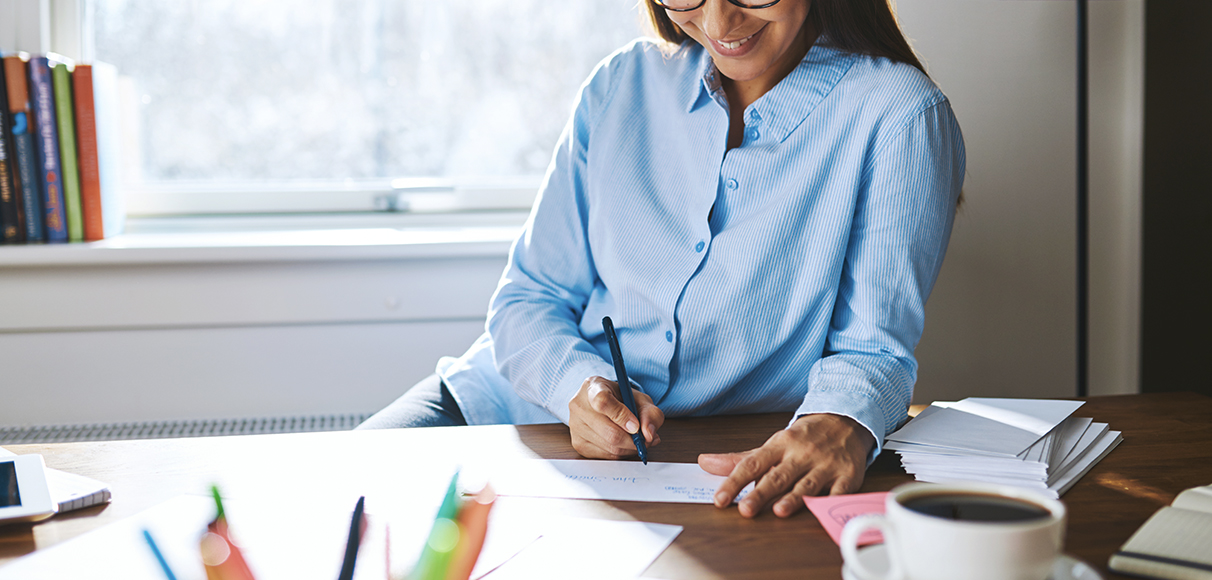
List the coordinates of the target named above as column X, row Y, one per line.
column 631, row 427
column 783, row 508
column 721, row 499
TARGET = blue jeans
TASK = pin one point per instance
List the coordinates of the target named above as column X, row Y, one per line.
column 427, row 404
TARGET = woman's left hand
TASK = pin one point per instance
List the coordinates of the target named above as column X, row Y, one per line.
column 817, row 452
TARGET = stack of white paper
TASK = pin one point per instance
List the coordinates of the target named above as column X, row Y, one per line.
column 1032, row 443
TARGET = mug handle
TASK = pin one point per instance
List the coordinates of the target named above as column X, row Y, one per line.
column 850, row 536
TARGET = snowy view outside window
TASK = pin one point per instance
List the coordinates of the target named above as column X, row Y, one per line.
column 237, row 90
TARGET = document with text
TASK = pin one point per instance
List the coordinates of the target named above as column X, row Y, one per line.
column 607, row 480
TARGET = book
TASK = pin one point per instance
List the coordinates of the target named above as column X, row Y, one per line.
column 107, row 114
column 61, row 79
column 1175, row 543
column 46, row 141
column 27, row 177
column 19, row 116
column 12, row 231
column 86, row 152
column 71, row 491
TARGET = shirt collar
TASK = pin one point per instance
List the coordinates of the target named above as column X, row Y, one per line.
column 698, row 93
column 784, row 107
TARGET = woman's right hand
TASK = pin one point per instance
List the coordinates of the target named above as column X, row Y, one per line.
column 602, row 426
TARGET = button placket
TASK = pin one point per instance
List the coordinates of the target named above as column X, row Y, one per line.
column 751, row 131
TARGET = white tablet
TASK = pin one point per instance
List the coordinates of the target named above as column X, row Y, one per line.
column 24, row 495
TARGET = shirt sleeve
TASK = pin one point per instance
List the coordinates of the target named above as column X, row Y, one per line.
column 902, row 223
column 534, row 314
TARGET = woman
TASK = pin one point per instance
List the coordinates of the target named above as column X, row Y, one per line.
column 761, row 203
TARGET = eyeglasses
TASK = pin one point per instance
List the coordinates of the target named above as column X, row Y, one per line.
column 688, row 5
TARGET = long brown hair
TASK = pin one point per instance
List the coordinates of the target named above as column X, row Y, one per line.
column 860, row 26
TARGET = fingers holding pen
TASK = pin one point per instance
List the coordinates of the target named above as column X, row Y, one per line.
column 601, row 425
column 651, row 417
column 605, row 400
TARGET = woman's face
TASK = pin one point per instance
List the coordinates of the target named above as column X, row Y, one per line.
column 750, row 45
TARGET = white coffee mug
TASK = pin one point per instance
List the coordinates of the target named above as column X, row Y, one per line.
column 929, row 547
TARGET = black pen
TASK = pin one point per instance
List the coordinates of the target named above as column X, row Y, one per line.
column 355, row 540
column 620, row 373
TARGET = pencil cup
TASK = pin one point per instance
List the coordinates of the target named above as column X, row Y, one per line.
column 959, row 532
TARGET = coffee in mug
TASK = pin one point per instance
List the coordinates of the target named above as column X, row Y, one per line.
column 975, row 507
column 961, row 532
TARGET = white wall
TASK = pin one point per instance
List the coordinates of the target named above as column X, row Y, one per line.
column 1001, row 321
column 21, row 26
column 108, row 334
column 256, row 333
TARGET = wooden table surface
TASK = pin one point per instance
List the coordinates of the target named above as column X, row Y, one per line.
column 1167, row 448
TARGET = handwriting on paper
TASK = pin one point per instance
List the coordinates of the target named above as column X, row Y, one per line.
column 607, row 480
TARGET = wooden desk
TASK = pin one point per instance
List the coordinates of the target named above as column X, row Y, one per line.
column 1167, row 448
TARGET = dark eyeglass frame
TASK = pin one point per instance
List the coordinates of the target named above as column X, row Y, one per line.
column 661, row 3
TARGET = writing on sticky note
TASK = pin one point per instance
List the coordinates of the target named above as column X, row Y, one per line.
column 834, row 511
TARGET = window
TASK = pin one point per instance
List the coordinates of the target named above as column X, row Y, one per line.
column 239, row 106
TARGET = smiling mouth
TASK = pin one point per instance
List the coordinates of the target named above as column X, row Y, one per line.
column 734, row 44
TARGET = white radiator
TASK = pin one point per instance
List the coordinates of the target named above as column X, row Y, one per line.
column 170, row 429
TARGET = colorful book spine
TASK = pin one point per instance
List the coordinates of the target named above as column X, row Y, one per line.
column 86, row 151
column 47, row 145
column 65, row 114
column 11, row 228
column 26, row 157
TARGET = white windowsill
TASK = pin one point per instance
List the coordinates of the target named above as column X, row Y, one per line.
column 275, row 239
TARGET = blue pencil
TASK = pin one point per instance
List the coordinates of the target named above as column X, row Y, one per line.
column 151, row 543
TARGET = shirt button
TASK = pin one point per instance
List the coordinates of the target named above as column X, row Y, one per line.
column 699, row 246
column 753, row 134
column 755, row 117
column 730, row 184
column 668, row 336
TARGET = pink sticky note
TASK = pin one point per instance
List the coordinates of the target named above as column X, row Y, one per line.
column 835, row 510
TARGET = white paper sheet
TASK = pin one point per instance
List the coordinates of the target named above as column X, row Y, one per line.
column 607, row 480
column 295, row 541
column 1004, row 427
column 585, row 548
column 1107, row 442
column 1094, row 434
column 1068, row 435
column 1034, row 415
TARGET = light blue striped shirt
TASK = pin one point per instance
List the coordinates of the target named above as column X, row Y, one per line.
column 787, row 274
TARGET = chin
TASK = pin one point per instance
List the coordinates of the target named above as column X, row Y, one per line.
column 739, row 74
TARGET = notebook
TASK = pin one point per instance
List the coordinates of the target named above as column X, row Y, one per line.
column 1175, row 543
column 71, row 491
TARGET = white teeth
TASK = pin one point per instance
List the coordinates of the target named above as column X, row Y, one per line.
column 734, row 45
